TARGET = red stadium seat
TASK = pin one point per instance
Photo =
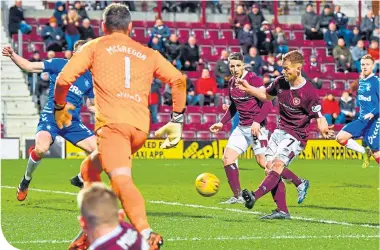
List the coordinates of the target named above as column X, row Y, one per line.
column 296, row 27
column 318, row 43
column 193, row 118
column 220, row 135
column 326, row 84
column 193, row 109
column 86, row 118
column 298, row 36
column 285, row 26
column 320, row 53
column 188, row 135
column 31, row 20
column 199, row 34
column 212, row 34
column 204, row 135
column 165, row 109
column 352, row 75
column 227, row 34
column 235, row 48
column 60, row 54
column 43, row 21
column 328, row 68
column 218, row 49
column 209, row 118
column 339, row 85
column 206, row 50
column 193, row 74
column 272, row 119
column 183, row 34
column 307, row 52
column 163, row 117
column 38, row 47
column 197, row 25
column 137, row 23
column 329, row 59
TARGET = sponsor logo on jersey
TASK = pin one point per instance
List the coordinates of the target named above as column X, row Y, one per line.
column 87, row 83
column 288, row 107
column 363, row 98
column 316, row 108
column 75, row 90
column 126, row 95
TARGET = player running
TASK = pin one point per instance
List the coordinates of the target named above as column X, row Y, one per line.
column 250, row 131
column 299, row 103
column 78, row 134
column 123, row 71
column 368, row 122
column 103, row 223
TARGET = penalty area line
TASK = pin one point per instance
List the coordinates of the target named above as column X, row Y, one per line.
column 341, row 223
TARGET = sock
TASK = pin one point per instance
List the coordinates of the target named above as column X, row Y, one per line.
column 80, row 177
column 232, row 172
column 33, row 162
column 351, row 144
column 279, row 197
column 269, row 183
column 89, row 172
column 146, row 233
column 132, row 201
column 377, row 160
column 289, row 175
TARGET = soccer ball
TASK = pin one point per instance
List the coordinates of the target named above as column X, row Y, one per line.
column 207, row 184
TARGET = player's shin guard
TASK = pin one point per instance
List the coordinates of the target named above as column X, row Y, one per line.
column 289, row 175
column 279, row 197
column 33, row 162
column 232, row 172
column 90, row 172
column 131, row 199
column 269, row 183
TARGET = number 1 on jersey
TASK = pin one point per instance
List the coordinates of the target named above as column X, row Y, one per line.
column 127, row 71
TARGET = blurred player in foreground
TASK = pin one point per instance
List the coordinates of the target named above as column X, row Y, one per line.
column 78, row 134
column 298, row 103
column 103, row 223
column 123, row 71
column 368, row 122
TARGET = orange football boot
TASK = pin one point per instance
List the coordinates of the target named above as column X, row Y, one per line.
column 22, row 189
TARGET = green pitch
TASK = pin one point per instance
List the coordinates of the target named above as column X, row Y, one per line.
column 340, row 212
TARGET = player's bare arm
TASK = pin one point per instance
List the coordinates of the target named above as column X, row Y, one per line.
column 260, row 93
column 324, row 128
column 90, row 103
column 22, row 63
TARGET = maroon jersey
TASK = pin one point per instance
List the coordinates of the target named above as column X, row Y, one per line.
column 250, row 108
column 298, row 105
column 124, row 237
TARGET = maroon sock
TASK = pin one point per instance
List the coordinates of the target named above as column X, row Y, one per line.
column 377, row 160
column 232, row 172
column 279, row 197
column 269, row 183
column 289, row 175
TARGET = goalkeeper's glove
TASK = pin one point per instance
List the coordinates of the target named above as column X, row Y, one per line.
column 173, row 130
column 62, row 114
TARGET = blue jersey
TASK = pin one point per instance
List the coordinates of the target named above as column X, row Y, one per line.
column 368, row 96
column 82, row 87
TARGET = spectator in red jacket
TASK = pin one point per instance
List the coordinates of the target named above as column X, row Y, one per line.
column 373, row 50
column 313, row 66
column 206, row 88
column 330, row 108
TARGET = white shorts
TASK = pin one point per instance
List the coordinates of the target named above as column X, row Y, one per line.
column 282, row 146
column 241, row 138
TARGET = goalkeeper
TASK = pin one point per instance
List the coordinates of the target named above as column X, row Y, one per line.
column 123, row 71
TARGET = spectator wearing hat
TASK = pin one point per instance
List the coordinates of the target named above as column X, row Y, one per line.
column 59, row 12
column 310, row 22
column 247, row 38
column 256, row 17
column 326, row 17
column 265, row 39
column 331, row 37
column 239, row 20
column 281, row 43
column 313, row 66
column 53, row 35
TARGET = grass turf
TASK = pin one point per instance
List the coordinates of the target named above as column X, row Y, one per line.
column 340, row 212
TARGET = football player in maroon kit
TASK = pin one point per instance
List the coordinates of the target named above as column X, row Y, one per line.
column 298, row 103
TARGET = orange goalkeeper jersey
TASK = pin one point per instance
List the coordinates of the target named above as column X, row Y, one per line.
column 123, row 71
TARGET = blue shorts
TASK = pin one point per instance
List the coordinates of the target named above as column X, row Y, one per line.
column 74, row 134
column 368, row 129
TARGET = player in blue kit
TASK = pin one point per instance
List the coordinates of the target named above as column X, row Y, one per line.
column 77, row 133
column 368, row 123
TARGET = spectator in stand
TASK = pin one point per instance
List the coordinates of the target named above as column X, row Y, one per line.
column 265, row 39
column 266, row 79
column 153, row 102
column 342, row 56
column 86, row 31
column 81, row 10
column 42, row 89
column 325, row 19
column 247, row 38
column 373, row 50
column 214, row 4
column 310, row 22
column 17, row 20
column 160, row 31
column 36, row 57
column 60, row 12
column 331, row 37
column 239, row 20
column 367, row 25
column 271, row 68
column 206, row 89
column 50, row 55
column 68, row 54
column 341, row 21
column 157, row 44
column 191, row 98
column 355, row 37
column 347, row 108
column 190, row 55
column 376, row 34
column 53, row 35
column 256, row 17
column 280, row 41
column 357, row 53
column 222, row 70
column 173, row 51
column 156, row 87
column 71, row 25
column 330, row 109
column 313, row 66
column 168, row 95
column 255, row 60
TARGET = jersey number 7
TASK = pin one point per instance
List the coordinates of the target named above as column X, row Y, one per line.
column 127, row 71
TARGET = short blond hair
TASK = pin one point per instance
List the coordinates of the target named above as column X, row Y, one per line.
column 369, row 57
column 98, row 205
column 79, row 44
column 294, row 57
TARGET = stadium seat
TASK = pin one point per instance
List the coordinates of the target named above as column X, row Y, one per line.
column 297, row 27
column 329, row 59
column 137, row 23
column 339, row 85
column 139, row 34
column 86, row 118
column 163, row 117
column 209, row 118
column 272, row 119
column 285, row 26
column 298, row 36
column 196, row 25
column 227, row 34
column 204, row 135
column 38, row 47
column 43, row 21
column 193, row 74
column 234, row 49
column 320, row 53
column 212, row 34
column 183, row 35
column 192, row 118
column 31, row 20
column 328, row 68
column 326, row 84
column 218, row 49
column 220, row 135
column 193, row 109
column 199, row 34
column 352, row 75
column 188, row 135
column 165, row 109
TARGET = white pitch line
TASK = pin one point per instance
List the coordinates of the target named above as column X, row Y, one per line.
column 225, row 238
column 342, row 223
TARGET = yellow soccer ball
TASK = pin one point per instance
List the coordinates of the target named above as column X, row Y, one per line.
column 207, row 184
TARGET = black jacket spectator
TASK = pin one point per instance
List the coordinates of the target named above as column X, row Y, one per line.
column 367, row 25
column 326, row 17
column 16, row 16
column 356, row 36
column 310, row 22
column 59, row 12
column 239, row 20
column 86, row 31
column 190, row 56
column 80, row 9
column 265, row 40
column 247, row 38
column 172, row 48
column 340, row 18
column 256, row 17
